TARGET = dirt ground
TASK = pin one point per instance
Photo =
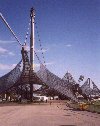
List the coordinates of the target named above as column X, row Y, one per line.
column 56, row 114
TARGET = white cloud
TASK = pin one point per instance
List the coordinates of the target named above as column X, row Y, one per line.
column 4, row 51
column 11, row 53
column 6, row 41
column 49, row 63
column 27, row 47
column 6, row 66
column 68, row 45
column 12, row 66
column 43, row 50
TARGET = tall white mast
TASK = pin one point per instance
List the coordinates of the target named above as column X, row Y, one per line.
column 32, row 15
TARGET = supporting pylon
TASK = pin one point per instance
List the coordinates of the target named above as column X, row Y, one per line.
column 32, row 15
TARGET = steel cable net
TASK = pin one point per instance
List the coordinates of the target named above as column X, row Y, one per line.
column 55, row 83
column 10, row 78
column 86, row 88
column 44, row 75
column 69, row 78
column 96, row 90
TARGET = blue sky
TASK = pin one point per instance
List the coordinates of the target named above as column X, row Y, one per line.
column 69, row 31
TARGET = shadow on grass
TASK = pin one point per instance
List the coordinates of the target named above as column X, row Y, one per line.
column 81, row 112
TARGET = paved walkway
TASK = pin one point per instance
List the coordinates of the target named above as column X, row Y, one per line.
column 55, row 114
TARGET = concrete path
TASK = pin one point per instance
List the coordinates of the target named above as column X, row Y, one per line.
column 56, row 114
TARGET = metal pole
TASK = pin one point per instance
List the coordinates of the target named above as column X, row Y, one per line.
column 32, row 15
